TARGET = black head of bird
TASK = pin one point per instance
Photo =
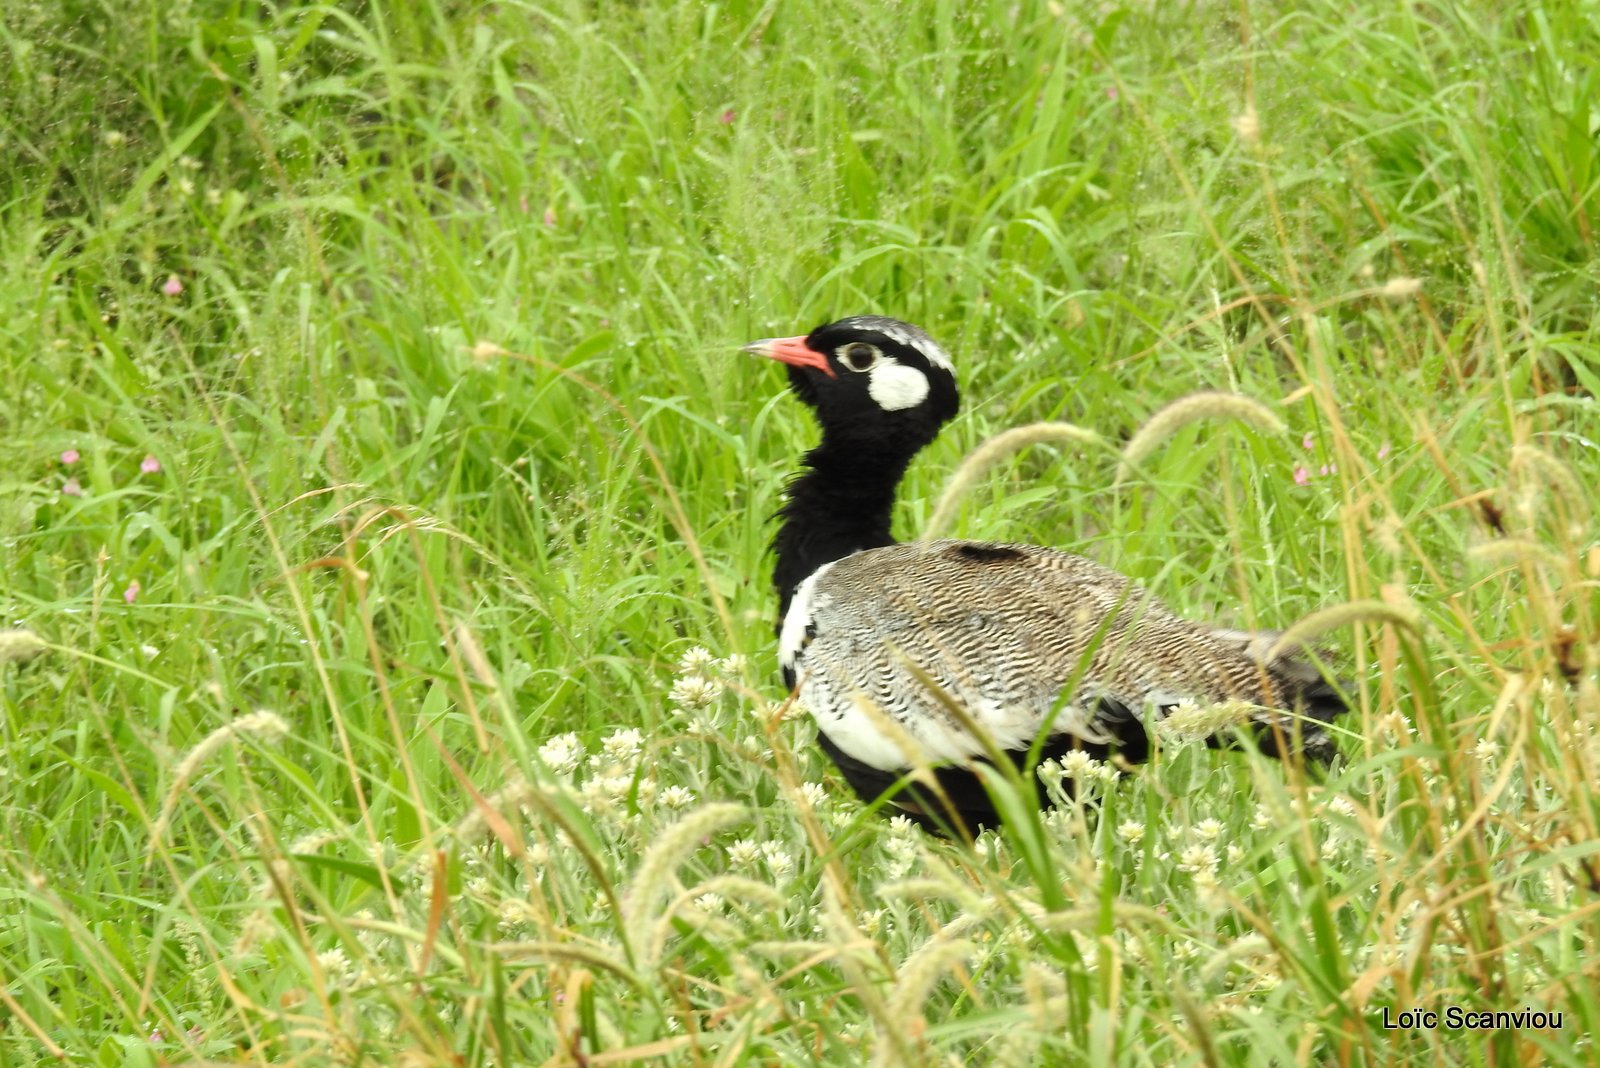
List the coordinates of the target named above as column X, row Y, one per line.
column 870, row 380
column 879, row 638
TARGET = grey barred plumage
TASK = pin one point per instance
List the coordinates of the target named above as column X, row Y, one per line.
column 902, row 652
column 1002, row 629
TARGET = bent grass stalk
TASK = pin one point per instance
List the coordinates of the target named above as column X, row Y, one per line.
column 263, row 725
column 1230, row 407
column 980, row 460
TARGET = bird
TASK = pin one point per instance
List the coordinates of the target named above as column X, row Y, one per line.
column 945, row 654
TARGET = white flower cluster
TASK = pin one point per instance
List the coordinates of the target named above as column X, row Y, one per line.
column 701, row 678
column 814, row 794
column 1076, row 766
column 694, row 691
column 563, row 753
column 901, row 850
column 1189, row 722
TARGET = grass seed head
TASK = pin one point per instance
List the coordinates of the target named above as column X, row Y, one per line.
column 19, row 646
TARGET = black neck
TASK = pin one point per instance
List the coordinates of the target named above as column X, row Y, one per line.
column 839, row 505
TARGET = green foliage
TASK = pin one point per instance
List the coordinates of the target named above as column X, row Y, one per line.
column 378, row 455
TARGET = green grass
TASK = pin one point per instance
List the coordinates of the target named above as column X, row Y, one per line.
column 456, row 456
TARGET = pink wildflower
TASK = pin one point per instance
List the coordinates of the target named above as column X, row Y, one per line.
column 69, row 457
column 550, row 217
column 71, row 488
column 1383, row 451
column 149, row 465
column 727, row 117
column 1301, row 475
column 131, row 594
column 1329, row 469
column 173, row 286
column 1308, row 441
column 1111, row 92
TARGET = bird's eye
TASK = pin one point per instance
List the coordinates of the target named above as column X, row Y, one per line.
column 858, row 355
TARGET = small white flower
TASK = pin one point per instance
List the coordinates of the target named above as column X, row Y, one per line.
column 1077, row 764
column 1395, row 726
column 788, row 711
column 1235, row 853
column 563, row 753
column 1209, row 888
column 814, row 793
column 1196, row 858
column 336, row 964
column 624, row 745
column 900, row 848
column 677, row 797
column 1486, row 751
column 1341, row 806
column 696, row 660
column 902, row 855
column 901, row 825
column 731, row 666
column 1208, row 830
column 515, row 916
column 1262, row 819
column 743, row 852
column 694, row 691
column 1132, row 830
column 779, row 861
column 1189, row 722
column 709, row 903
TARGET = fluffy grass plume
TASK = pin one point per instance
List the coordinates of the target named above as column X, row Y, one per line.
column 1193, row 408
column 992, row 451
column 509, row 600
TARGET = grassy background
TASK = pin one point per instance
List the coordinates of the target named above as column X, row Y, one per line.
column 426, row 315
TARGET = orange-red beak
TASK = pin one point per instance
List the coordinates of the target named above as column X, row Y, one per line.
column 790, row 350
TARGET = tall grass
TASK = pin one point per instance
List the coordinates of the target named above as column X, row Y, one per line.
column 390, row 504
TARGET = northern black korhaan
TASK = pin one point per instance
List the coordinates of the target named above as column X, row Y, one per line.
column 883, row 638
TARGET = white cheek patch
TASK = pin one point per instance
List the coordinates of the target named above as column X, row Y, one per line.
column 894, row 386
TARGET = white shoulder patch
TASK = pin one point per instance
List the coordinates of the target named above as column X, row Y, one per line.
column 792, row 638
column 894, row 386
